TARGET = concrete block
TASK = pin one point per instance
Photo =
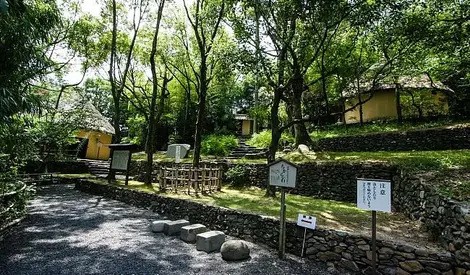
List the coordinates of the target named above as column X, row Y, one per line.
column 174, row 227
column 157, row 226
column 189, row 232
column 210, row 241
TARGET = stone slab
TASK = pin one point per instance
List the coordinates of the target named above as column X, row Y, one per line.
column 174, row 227
column 210, row 241
column 184, row 150
column 157, row 226
column 189, row 232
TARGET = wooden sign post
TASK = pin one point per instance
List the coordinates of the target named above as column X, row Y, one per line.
column 283, row 174
column 375, row 195
column 121, row 159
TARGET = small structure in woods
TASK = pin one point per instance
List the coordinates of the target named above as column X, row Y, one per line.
column 95, row 133
column 206, row 178
column 245, row 124
column 417, row 96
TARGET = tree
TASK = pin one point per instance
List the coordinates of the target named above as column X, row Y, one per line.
column 205, row 22
column 118, row 76
column 27, row 32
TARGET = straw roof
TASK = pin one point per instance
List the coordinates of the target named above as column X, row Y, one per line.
column 89, row 118
column 421, row 82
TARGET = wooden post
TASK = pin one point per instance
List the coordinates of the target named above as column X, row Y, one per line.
column 282, row 228
column 374, row 245
column 204, row 178
column 191, row 174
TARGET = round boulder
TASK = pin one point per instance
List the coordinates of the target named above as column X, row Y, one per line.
column 235, row 250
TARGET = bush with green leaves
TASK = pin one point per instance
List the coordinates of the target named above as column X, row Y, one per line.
column 238, row 176
column 14, row 194
column 263, row 139
column 218, row 145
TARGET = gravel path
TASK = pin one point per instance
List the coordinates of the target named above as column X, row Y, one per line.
column 68, row 232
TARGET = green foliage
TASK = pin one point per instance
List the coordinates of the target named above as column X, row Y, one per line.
column 26, row 33
column 378, row 126
column 263, row 139
column 218, row 145
column 237, row 176
column 413, row 160
column 12, row 206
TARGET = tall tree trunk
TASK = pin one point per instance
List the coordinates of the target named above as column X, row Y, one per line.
column 201, row 110
column 361, row 112
column 398, row 104
column 275, row 137
column 323, row 82
column 114, row 90
column 301, row 134
column 257, row 70
column 290, row 118
column 153, row 118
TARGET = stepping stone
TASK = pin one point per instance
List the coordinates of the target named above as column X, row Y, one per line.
column 235, row 250
column 174, row 227
column 189, row 232
column 157, row 226
column 210, row 241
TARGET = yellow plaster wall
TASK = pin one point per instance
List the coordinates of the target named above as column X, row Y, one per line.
column 246, row 127
column 381, row 105
column 97, row 142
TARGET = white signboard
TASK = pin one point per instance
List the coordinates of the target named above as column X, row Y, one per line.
column 120, row 159
column 306, row 221
column 374, row 195
column 178, row 154
column 282, row 174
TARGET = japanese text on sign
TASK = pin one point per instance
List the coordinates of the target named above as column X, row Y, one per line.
column 120, row 160
column 374, row 195
column 282, row 174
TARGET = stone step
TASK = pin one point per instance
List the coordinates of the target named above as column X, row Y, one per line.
column 189, row 232
column 174, row 227
column 157, row 226
column 210, row 241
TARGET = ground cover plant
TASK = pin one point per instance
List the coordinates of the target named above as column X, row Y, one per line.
column 339, row 130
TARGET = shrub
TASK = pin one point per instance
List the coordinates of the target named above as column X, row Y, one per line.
column 12, row 206
column 263, row 139
column 218, row 145
column 237, row 176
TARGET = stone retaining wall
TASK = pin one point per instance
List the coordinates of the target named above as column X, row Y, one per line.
column 326, row 180
column 419, row 140
column 345, row 250
column 445, row 219
column 323, row 180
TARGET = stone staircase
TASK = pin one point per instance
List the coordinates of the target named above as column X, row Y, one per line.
column 244, row 150
column 99, row 168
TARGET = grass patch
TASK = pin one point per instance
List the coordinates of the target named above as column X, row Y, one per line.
column 413, row 160
column 374, row 127
column 161, row 157
column 75, row 176
column 330, row 214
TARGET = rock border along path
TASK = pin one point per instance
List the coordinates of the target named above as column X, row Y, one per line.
column 69, row 232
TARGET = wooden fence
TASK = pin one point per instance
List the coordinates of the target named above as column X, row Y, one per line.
column 206, row 178
column 11, row 206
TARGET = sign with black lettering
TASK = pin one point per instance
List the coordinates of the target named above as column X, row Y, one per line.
column 375, row 195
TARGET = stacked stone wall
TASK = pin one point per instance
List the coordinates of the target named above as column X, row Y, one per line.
column 346, row 251
column 450, row 138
